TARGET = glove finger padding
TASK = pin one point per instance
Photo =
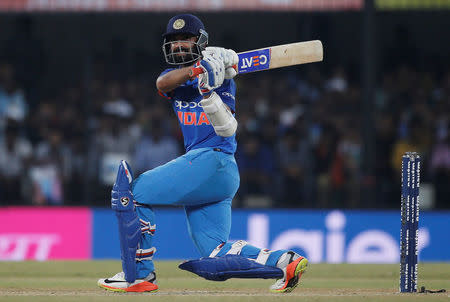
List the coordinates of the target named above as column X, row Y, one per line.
column 230, row 72
column 233, row 58
column 228, row 56
column 214, row 73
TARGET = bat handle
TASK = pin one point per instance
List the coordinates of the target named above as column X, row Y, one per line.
column 195, row 71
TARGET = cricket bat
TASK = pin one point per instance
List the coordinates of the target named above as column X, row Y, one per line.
column 277, row 56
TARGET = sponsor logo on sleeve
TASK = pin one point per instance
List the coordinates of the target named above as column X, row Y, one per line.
column 228, row 94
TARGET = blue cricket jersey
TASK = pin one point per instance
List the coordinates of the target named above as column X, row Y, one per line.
column 197, row 130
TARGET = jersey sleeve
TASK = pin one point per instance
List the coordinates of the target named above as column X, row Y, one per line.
column 163, row 94
column 189, row 83
column 227, row 93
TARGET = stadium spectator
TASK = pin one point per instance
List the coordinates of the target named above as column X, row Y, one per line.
column 47, row 170
column 256, row 165
column 291, row 154
column 15, row 153
column 12, row 99
column 307, row 145
column 440, row 169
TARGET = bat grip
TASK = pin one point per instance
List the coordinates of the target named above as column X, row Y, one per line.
column 195, row 71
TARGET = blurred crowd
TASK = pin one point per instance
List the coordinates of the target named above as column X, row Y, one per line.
column 299, row 137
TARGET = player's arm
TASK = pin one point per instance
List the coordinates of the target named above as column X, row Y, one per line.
column 174, row 78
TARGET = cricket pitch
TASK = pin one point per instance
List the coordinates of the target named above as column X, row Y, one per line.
column 77, row 281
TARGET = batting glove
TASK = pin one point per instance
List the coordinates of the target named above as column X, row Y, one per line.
column 213, row 74
column 228, row 56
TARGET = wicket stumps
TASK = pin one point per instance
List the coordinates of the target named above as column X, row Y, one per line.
column 409, row 233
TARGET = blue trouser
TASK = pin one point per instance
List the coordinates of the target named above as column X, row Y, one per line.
column 204, row 181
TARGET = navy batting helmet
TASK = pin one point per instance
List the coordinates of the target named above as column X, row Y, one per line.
column 181, row 53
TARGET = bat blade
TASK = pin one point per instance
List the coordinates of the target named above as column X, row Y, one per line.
column 275, row 57
column 280, row 56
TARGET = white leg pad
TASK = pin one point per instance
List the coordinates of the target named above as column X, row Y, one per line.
column 219, row 115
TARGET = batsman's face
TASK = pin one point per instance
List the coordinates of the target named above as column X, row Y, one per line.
column 181, row 49
column 182, row 45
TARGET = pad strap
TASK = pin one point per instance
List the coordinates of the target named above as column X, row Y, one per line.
column 216, row 250
column 236, row 247
column 146, row 227
column 263, row 256
column 145, row 254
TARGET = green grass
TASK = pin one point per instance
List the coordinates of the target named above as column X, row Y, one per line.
column 76, row 281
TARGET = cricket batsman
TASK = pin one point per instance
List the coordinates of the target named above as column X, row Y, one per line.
column 204, row 180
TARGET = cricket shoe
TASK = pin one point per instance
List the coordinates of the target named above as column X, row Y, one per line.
column 293, row 266
column 119, row 284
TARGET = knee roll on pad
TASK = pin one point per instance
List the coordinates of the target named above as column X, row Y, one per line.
column 221, row 118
